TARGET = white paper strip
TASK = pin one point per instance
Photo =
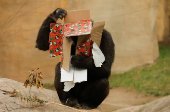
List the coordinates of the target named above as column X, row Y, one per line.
column 67, row 76
column 68, row 85
column 75, row 75
column 80, row 75
column 98, row 56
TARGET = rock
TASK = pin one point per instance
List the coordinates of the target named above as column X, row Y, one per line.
column 14, row 104
column 163, row 18
column 132, row 24
column 129, row 109
column 160, row 105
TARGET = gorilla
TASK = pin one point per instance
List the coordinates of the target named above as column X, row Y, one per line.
column 88, row 94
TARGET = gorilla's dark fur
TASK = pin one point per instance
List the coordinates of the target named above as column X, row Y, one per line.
column 89, row 94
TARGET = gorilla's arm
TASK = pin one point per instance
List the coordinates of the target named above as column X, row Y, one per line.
column 43, row 34
column 107, row 47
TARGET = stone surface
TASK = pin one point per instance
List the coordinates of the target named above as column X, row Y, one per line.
column 130, row 109
column 163, row 21
column 132, row 24
column 160, row 105
column 14, row 104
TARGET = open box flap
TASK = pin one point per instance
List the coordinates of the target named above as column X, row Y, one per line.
column 96, row 33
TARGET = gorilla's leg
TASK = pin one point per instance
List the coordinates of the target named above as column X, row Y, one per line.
column 63, row 96
column 91, row 94
column 59, row 85
column 85, row 95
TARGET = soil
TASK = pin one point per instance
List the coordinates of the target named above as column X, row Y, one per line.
column 120, row 97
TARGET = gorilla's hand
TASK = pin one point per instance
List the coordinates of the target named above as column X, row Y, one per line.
column 60, row 13
column 42, row 42
column 81, row 61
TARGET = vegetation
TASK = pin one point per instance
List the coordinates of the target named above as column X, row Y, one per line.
column 34, row 79
column 49, row 85
column 153, row 79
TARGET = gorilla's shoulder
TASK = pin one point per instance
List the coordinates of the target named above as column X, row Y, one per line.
column 107, row 38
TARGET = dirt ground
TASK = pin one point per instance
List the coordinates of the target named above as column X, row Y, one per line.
column 121, row 97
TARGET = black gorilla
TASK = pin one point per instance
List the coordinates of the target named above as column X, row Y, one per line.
column 89, row 94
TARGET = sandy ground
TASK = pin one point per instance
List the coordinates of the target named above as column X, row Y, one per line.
column 121, row 97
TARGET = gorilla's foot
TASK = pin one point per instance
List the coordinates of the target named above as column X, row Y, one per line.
column 72, row 102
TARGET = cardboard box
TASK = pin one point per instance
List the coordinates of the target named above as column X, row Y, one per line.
column 74, row 16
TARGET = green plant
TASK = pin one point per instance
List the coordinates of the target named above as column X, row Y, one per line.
column 151, row 80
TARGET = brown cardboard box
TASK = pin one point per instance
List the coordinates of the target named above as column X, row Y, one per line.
column 71, row 17
column 76, row 15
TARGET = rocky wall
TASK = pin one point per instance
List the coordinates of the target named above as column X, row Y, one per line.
column 132, row 24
